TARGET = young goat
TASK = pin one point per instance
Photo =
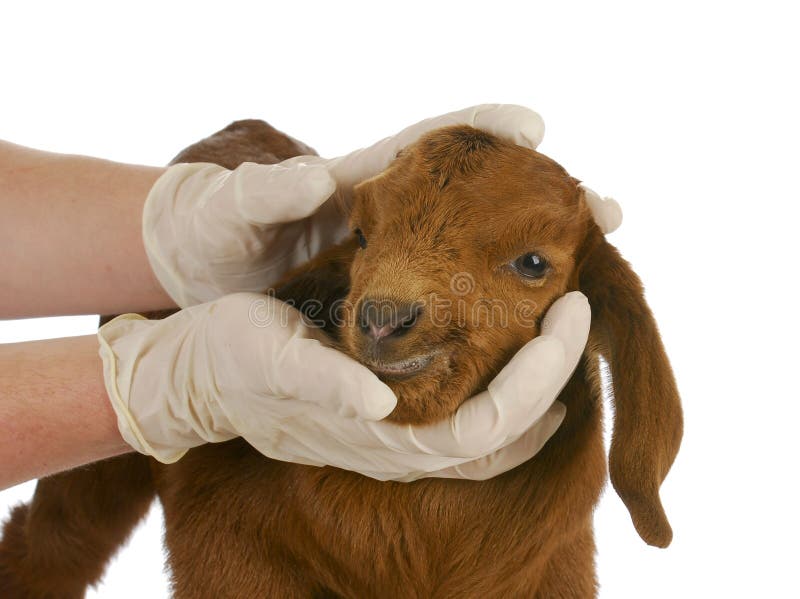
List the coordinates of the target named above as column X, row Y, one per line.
column 460, row 246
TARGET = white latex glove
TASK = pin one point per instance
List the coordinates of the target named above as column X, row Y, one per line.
column 606, row 211
column 246, row 365
column 209, row 231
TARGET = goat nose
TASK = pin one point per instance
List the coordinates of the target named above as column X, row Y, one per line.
column 385, row 318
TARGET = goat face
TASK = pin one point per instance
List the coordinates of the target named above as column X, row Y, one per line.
column 464, row 242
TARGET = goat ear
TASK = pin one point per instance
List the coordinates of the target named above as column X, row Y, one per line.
column 648, row 421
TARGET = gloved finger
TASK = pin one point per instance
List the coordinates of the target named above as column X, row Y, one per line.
column 267, row 347
column 516, row 388
column 310, row 371
column 281, row 193
column 304, row 432
column 517, row 124
column 510, row 456
column 607, row 212
column 569, row 319
column 484, row 422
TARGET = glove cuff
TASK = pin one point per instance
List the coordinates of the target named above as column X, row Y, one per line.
column 117, row 379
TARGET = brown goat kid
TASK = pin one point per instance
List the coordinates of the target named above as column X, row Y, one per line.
column 241, row 525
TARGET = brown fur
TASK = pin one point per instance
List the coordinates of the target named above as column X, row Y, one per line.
column 241, row 525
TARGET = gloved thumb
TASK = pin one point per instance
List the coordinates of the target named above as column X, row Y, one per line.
column 281, row 193
column 308, row 370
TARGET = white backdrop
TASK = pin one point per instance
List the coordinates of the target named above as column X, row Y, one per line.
column 687, row 114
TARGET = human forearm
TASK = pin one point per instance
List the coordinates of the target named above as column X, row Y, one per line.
column 70, row 235
column 54, row 411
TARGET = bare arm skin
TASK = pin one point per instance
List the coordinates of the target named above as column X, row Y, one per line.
column 54, row 411
column 71, row 236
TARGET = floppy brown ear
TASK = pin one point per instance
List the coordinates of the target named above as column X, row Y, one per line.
column 648, row 421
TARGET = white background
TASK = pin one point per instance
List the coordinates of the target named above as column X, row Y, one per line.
column 687, row 114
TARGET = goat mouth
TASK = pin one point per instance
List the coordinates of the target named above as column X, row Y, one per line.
column 401, row 369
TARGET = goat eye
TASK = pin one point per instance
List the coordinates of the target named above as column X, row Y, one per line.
column 362, row 241
column 530, row 265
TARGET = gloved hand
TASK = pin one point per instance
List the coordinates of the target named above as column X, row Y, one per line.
column 605, row 211
column 209, row 231
column 246, row 365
